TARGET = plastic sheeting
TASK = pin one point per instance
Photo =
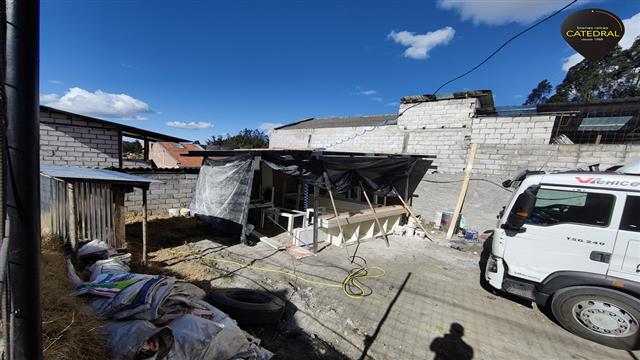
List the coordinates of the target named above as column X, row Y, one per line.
column 378, row 174
column 223, row 192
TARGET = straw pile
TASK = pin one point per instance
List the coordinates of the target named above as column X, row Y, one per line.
column 69, row 329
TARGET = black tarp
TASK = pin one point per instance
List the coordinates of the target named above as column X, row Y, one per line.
column 376, row 173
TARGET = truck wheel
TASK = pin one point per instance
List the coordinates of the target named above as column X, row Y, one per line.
column 601, row 315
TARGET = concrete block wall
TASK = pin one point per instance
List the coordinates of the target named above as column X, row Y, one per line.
column 512, row 129
column 441, row 128
column 71, row 141
column 175, row 190
column 508, row 159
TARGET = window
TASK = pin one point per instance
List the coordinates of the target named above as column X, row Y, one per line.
column 563, row 206
column 631, row 216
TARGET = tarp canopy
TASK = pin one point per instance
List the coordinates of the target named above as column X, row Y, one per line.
column 223, row 190
column 376, row 173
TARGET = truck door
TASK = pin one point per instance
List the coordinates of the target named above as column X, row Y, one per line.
column 625, row 262
column 570, row 229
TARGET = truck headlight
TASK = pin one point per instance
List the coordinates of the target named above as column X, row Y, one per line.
column 492, row 264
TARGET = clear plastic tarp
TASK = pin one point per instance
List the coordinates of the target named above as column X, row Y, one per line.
column 223, row 192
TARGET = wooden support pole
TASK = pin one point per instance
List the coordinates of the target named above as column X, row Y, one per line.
column 144, row 226
column 73, row 216
column 463, row 191
column 335, row 211
column 119, row 219
column 408, row 208
column 145, row 150
column 375, row 216
column 316, row 193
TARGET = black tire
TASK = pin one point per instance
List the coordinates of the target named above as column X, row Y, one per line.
column 617, row 314
column 248, row 307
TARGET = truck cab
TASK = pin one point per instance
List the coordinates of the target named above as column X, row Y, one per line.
column 571, row 241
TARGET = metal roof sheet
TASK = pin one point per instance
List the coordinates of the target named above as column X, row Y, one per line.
column 604, row 123
column 102, row 175
column 351, row 121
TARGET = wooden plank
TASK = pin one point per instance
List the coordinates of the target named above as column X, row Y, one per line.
column 384, row 234
column 463, row 191
column 335, row 211
column 408, row 208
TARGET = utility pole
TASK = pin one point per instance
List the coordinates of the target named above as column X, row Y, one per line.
column 22, row 177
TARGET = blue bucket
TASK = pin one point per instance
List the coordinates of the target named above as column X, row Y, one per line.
column 470, row 235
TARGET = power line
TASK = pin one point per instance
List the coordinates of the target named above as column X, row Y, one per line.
column 503, row 45
column 374, row 127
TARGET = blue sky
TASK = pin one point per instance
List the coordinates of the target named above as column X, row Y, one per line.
column 200, row 68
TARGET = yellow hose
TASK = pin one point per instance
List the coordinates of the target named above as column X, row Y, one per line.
column 353, row 279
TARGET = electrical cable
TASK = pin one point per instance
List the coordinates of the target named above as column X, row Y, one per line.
column 472, row 179
column 503, row 45
column 460, row 76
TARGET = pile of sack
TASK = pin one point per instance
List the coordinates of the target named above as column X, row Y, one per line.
column 155, row 316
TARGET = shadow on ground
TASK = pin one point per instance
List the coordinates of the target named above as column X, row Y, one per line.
column 451, row 346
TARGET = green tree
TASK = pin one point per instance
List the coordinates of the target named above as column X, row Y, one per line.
column 616, row 75
column 539, row 95
column 245, row 139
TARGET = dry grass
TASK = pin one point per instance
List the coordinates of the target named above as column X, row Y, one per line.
column 69, row 329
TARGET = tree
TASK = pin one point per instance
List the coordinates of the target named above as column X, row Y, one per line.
column 616, row 75
column 245, row 139
column 539, row 93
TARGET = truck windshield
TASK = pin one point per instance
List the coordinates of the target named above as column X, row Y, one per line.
column 565, row 206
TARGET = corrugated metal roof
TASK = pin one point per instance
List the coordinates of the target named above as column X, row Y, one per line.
column 102, row 175
column 351, row 121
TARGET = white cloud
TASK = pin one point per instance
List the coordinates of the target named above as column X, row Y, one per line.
column 569, row 62
column 48, row 98
column 499, row 12
column 631, row 32
column 56, row 82
column 368, row 92
column 392, row 103
column 193, row 125
column 420, row 45
column 98, row 103
column 518, row 96
column 268, row 126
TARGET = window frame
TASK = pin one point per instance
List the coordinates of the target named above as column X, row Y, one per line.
column 627, row 207
column 612, row 210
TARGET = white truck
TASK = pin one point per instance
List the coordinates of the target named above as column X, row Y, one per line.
column 571, row 241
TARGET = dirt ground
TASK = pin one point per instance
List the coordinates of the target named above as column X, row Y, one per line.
column 429, row 303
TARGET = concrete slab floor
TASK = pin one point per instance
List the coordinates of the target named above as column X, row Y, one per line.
column 414, row 321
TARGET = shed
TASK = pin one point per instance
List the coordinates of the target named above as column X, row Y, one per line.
column 79, row 204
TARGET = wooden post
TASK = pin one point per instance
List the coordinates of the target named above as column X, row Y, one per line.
column 335, row 211
column 408, row 208
column 463, row 191
column 73, row 216
column 144, row 226
column 316, row 193
column 145, row 151
column 119, row 219
column 384, row 233
column 598, row 139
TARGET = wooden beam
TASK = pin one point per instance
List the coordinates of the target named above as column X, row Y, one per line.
column 119, row 226
column 598, row 139
column 384, row 233
column 335, row 211
column 73, row 216
column 145, row 151
column 408, row 208
column 463, row 191
column 144, row 226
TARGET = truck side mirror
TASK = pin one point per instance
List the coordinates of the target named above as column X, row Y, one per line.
column 521, row 210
